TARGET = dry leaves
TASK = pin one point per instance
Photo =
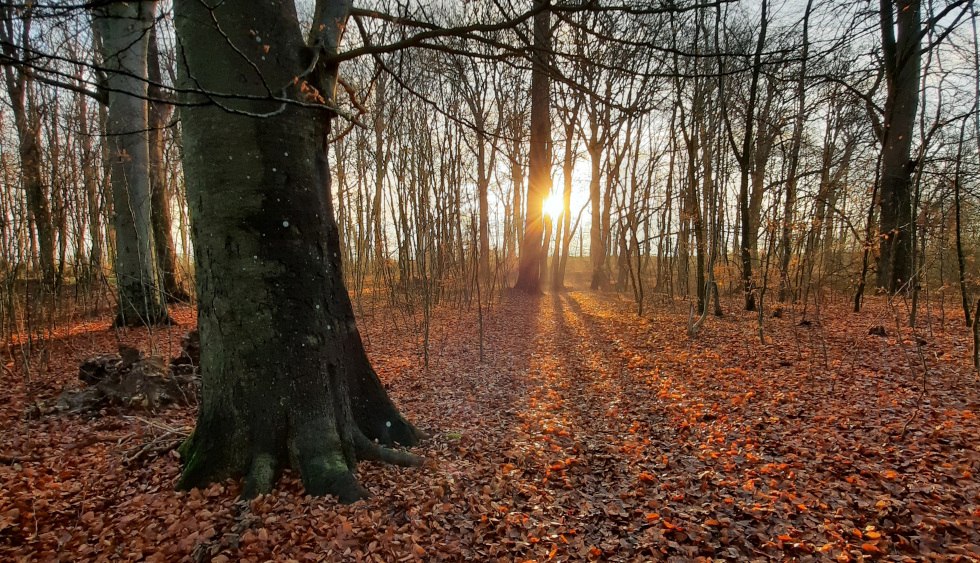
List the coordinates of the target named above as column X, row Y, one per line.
column 587, row 434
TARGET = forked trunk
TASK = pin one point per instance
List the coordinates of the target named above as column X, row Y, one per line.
column 902, row 55
column 286, row 381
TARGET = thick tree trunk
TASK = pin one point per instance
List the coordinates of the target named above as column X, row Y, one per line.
column 286, row 381
column 124, row 28
column 539, row 170
column 902, row 56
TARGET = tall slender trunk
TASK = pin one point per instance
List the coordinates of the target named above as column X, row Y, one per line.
column 158, row 114
column 539, row 169
column 902, row 56
column 28, row 124
column 792, row 175
column 960, row 259
column 745, row 163
column 558, row 274
column 597, row 247
column 380, row 171
column 483, row 188
column 90, row 179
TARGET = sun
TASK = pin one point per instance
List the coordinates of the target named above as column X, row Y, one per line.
column 552, row 206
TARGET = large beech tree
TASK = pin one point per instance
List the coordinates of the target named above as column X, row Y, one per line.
column 286, row 381
column 124, row 31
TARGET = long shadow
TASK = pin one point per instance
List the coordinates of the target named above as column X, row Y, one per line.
column 624, row 430
column 473, row 411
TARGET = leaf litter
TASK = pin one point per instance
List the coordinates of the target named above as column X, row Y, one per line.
column 586, row 434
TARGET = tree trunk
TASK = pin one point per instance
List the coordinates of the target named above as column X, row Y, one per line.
column 380, row 171
column 123, row 28
column 517, row 221
column 597, row 249
column 902, row 57
column 286, row 380
column 745, row 163
column 90, row 179
column 960, row 259
column 28, row 126
column 792, row 176
column 539, row 169
column 158, row 113
column 483, row 188
column 561, row 256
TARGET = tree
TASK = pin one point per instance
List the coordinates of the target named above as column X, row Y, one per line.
column 539, row 168
column 902, row 54
column 124, row 30
column 792, row 174
column 744, row 156
column 28, row 123
column 158, row 115
column 286, row 380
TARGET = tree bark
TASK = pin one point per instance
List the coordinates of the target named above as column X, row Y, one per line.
column 792, row 175
column 568, row 165
column 90, row 179
column 597, row 247
column 539, row 169
column 27, row 122
column 158, row 114
column 902, row 56
column 124, row 30
column 286, row 380
column 960, row 259
column 745, row 163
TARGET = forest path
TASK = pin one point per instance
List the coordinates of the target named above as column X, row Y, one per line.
column 604, row 462
column 634, row 442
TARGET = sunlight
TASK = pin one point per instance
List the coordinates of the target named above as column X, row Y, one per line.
column 552, row 206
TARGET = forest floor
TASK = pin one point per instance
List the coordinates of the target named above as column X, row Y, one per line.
column 585, row 433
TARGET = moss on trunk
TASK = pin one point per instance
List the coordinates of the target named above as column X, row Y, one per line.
column 285, row 379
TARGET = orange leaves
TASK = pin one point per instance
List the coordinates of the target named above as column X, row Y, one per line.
column 871, row 548
column 309, row 92
column 741, row 399
column 562, row 464
column 568, row 454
